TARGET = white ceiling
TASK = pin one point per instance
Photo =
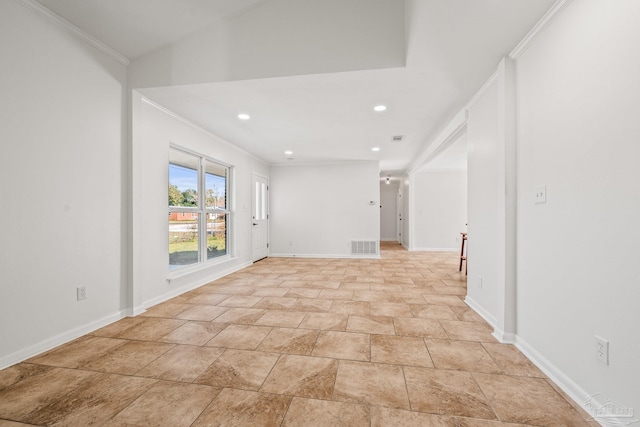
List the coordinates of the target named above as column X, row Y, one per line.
column 453, row 46
column 137, row 27
column 322, row 117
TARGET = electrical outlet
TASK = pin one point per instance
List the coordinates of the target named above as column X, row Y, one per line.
column 480, row 281
column 602, row 350
column 81, row 292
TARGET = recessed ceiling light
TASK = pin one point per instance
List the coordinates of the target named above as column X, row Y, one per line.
column 288, row 152
column 375, row 149
column 380, row 107
column 244, row 116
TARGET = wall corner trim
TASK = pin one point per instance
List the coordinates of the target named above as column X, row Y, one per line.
column 543, row 23
column 71, row 28
column 133, row 312
column 504, row 337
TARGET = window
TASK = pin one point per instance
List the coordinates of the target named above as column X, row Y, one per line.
column 198, row 209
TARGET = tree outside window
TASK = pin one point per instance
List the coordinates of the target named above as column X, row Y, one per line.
column 198, row 209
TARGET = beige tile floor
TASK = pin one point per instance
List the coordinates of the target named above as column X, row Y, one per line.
column 295, row 342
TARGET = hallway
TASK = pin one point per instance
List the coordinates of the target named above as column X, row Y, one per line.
column 295, row 342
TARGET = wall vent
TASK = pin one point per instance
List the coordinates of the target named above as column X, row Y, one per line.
column 397, row 138
column 364, row 247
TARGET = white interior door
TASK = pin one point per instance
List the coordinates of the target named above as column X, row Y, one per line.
column 400, row 209
column 260, row 217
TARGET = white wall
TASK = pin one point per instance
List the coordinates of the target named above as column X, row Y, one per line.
column 577, row 102
column 389, row 212
column 483, row 165
column 317, row 209
column 155, row 130
column 405, row 195
column 578, row 109
column 440, row 209
column 63, row 175
column 283, row 38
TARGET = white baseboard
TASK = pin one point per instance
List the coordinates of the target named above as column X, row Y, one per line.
column 481, row 311
column 389, row 240
column 132, row 312
column 49, row 343
column 499, row 334
column 329, row 256
column 65, row 337
column 191, row 286
column 573, row 390
column 504, row 337
column 566, row 384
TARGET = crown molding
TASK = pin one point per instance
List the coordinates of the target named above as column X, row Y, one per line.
column 543, row 23
column 476, row 97
column 454, row 129
column 446, row 143
column 323, row 162
column 546, row 20
column 69, row 27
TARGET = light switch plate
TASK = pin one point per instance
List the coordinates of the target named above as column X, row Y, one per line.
column 541, row 194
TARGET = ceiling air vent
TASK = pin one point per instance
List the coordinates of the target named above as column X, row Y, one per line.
column 397, row 138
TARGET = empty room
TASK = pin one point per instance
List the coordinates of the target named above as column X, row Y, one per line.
column 319, row 213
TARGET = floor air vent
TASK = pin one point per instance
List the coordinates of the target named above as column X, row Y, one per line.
column 364, row 247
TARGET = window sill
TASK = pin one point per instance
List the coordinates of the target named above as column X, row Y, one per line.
column 186, row 271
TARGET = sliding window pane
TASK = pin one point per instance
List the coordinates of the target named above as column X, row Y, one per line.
column 183, row 239
column 216, row 177
column 257, row 203
column 183, row 179
column 263, row 199
column 216, row 235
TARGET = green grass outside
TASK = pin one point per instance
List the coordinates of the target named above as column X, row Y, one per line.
column 183, row 245
column 192, row 245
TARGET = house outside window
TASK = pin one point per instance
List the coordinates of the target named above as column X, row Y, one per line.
column 199, row 214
